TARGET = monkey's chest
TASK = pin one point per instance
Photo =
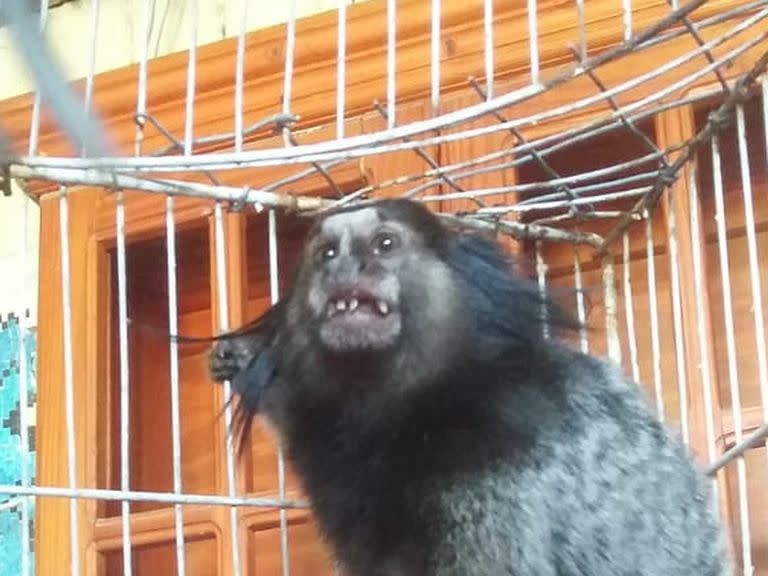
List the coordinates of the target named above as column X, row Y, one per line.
column 372, row 487
column 369, row 505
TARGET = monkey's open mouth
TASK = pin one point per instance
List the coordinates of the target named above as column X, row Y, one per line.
column 356, row 302
column 357, row 320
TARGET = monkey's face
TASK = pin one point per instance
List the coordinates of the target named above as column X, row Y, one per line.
column 364, row 274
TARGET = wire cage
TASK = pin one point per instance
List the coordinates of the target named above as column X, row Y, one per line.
column 620, row 147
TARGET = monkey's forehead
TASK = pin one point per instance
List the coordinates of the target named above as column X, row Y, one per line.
column 353, row 221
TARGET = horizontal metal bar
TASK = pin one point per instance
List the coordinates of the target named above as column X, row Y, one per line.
column 66, row 177
column 146, row 496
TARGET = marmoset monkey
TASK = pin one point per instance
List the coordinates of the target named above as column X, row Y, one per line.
column 438, row 433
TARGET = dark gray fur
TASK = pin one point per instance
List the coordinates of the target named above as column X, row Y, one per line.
column 466, row 445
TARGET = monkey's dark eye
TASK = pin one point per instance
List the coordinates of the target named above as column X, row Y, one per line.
column 385, row 242
column 327, row 252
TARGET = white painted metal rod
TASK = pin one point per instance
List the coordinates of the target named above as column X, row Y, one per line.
column 173, row 320
column 125, row 427
column 654, row 315
column 677, row 320
column 701, row 322
column 223, row 304
column 583, row 339
column 69, row 378
column 628, row 307
column 274, row 294
column 730, row 342
column 144, row 496
column 341, row 68
column 240, row 76
column 435, row 58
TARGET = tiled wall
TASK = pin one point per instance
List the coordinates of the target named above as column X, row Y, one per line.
column 11, row 455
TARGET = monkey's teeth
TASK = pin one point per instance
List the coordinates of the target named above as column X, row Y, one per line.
column 353, row 304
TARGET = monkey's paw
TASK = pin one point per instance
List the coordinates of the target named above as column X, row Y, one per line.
column 227, row 358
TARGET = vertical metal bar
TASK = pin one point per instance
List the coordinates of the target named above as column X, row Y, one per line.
column 69, row 392
column 583, row 340
column 677, row 320
column 240, row 76
column 24, row 397
column 290, row 49
column 170, row 244
column 94, row 35
column 391, row 63
column 89, row 78
column 435, row 57
column 730, row 343
column 341, row 68
column 223, row 297
column 125, row 440
column 627, row 19
column 274, row 278
column 141, row 107
column 628, row 308
column 541, row 273
column 489, row 66
column 611, row 324
column 754, row 266
column 699, row 290
column 141, row 102
column 580, row 16
column 272, row 232
column 34, row 128
column 173, row 328
column 141, row 97
column 653, row 308
column 189, row 117
column 533, row 34
column 274, row 292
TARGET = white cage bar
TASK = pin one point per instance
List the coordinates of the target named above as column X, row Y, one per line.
column 173, row 328
column 125, row 424
column 733, row 378
column 628, row 308
column 69, row 377
column 699, row 290
column 677, row 320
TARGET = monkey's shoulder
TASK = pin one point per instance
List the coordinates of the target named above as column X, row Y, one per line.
column 580, row 418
